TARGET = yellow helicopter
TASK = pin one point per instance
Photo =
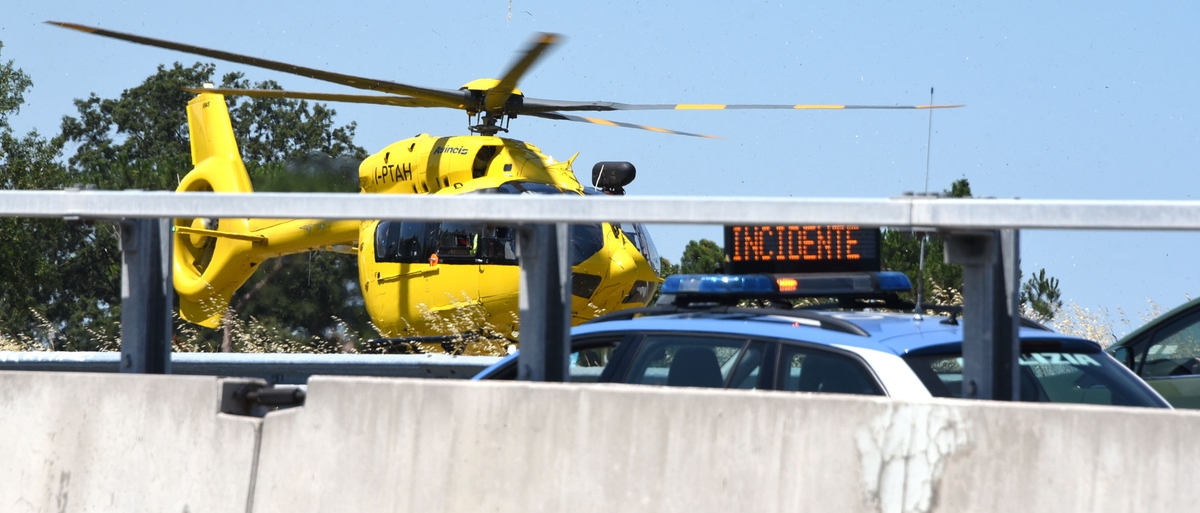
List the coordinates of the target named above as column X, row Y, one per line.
column 421, row 281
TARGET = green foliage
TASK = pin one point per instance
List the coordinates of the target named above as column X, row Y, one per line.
column 56, row 282
column 1041, row 295
column 961, row 188
column 278, row 130
column 666, row 268
column 702, row 257
column 60, row 281
column 699, row 257
column 13, row 84
column 941, row 283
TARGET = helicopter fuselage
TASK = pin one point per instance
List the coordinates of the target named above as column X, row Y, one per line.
column 424, row 279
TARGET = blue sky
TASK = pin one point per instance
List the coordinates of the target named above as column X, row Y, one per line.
column 1071, row 100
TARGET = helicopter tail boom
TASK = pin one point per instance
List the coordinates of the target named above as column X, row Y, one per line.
column 209, row 268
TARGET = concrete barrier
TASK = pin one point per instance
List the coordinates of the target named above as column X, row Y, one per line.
column 93, row 442
column 368, row 445
column 119, row 442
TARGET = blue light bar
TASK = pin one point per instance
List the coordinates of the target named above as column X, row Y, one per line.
column 746, row 285
column 894, row 281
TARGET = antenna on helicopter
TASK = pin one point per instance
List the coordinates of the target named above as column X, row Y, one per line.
column 925, row 235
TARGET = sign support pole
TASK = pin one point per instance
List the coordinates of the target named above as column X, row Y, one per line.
column 991, row 316
column 544, row 302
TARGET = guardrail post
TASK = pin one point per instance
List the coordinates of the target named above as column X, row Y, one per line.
column 146, row 295
column 544, row 302
column 990, row 311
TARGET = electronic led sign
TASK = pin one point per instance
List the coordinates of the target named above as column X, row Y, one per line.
column 801, row 249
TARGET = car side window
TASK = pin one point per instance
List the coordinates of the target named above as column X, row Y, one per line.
column 685, row 360
column 803, row 369
column 1174, row 350
column 586, row 364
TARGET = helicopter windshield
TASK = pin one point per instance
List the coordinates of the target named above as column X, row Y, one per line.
column 524, row 187
column 640, row 236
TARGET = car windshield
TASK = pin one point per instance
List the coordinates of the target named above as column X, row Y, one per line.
column 1050, row 376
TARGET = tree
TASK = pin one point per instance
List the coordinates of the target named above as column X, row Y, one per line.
column 942, row 283
column 702, row 257
column 699, row 257
column 1040, row 294
column 140, row 141
column 40, row 259
column 666, row 268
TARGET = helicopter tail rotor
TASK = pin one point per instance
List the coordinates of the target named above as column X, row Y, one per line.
column 212, row 257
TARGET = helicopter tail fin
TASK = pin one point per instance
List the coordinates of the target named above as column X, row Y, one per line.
column 212, row 257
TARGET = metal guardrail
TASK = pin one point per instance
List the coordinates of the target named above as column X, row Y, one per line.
column 545, row 219
column 275, row 368
column 906, row 211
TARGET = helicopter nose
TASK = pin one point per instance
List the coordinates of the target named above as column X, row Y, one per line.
column 621, row 263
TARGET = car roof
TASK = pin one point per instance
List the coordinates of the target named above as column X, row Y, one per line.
column 1156, row 322
column 895, row 333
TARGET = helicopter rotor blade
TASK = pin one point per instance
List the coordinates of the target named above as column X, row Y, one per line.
column 532, row 105
column 445, row 98
column 497, row 96
column 396, row 101
column 606, row 122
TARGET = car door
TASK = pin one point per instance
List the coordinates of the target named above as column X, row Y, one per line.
column 1168, row 358
column 694, row 360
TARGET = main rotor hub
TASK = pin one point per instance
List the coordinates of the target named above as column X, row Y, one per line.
column 490, row 122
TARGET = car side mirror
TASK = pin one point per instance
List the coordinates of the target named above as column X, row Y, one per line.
column 1122, row 355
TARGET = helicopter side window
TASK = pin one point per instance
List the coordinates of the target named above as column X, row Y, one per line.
column 498, row 245
column 458, row 241
column 477, row 243
column 483, row 159
column 411, row 242
column 404, row 242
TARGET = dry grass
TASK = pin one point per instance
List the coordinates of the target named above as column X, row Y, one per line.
column 478, row 335
column 46, row 337
column 1101, row 326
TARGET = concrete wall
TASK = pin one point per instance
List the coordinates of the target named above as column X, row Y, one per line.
column 79, row 442
column 369, row 445
column 131, row 443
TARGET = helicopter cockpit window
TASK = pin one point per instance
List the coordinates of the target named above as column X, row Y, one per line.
column 414, row 242
column 586, row 240
column 640, row 236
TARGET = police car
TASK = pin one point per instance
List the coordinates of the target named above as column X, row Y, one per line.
column 701, row 335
